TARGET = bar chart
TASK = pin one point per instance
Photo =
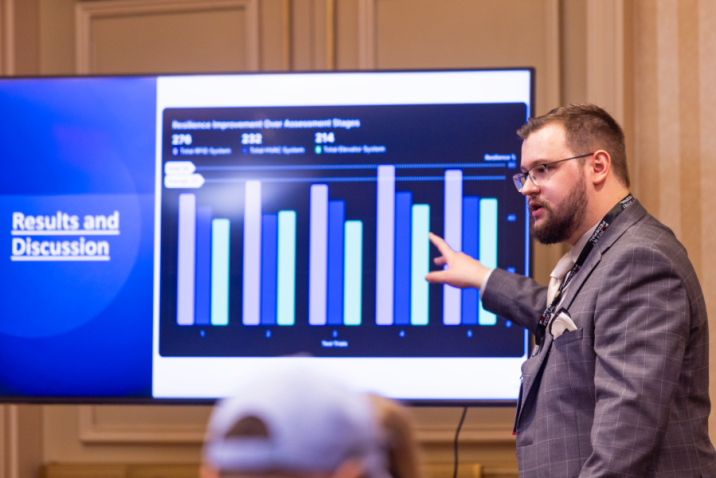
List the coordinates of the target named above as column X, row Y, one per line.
column 204, row 257
column 336, row 262
column 269, row 262
column 403, row 251
column 335, row 258
column 402, row 257
column 203, row 265
column 470, row 227
column 323, row 249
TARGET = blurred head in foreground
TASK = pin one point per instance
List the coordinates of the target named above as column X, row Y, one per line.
column 295, row 425
column 399, row 432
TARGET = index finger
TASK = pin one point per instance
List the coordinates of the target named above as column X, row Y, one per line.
column 442, row 246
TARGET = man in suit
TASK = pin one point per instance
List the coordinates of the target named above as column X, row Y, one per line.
column 619, row 385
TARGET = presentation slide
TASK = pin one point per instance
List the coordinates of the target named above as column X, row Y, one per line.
column 77, row 201
column 302, row 229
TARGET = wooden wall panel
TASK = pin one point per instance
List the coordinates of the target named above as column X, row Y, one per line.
column 162, row 36
column 469, row 34
column 312, row 35
column 142, row 424
column 275, row 35
column 707, row 143
column 19, row 37
column 20, row 441
column 674, row 120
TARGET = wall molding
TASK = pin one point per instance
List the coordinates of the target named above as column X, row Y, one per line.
column 605, row 56
column 553, row 96
column 330, row 34
column 87, row 12
column 8, row 441
column 475, row 434
column 7, row 37
column 367, row 34
column 91, row 431
column 287, row 32
column 20, row 441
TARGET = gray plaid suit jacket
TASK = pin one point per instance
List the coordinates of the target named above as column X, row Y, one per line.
column 627, row 393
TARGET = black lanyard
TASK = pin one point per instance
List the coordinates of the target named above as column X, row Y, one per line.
column 601, row 227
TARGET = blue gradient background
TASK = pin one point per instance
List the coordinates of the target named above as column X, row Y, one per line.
column 83, row 146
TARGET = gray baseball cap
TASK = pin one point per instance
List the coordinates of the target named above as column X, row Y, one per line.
column 295, row 422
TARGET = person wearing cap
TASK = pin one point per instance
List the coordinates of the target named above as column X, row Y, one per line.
column 295, row 425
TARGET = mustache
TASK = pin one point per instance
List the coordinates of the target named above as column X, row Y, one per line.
column 533, row 203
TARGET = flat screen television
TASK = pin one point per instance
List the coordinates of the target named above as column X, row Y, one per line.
column 173, row 237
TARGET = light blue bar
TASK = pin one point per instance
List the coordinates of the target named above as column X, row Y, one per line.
column 220, row 271
column 318, row 255
column 353, row 273
column 385, row 245
column 251, row 299
column 186, row 259
column 286, row 294
column 488, row 248
column 452, row 296
column 419, row 264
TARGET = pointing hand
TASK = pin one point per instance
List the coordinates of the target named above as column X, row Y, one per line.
column 462, row 270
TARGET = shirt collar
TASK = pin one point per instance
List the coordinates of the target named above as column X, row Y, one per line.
column 579, row 246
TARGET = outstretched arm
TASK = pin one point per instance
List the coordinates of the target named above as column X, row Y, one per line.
column 512, row 296
column 462, row 270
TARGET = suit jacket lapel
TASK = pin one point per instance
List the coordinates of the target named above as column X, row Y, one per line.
column 530, row 371
column 624, row 221
column 579, row 279
column 531, row 368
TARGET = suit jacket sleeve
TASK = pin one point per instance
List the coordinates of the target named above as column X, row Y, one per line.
column 641, row 328
column 516, row 298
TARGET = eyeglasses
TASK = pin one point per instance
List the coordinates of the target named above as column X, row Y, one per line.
column 539, row 174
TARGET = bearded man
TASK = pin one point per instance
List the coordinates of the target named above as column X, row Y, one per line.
column 617, row 385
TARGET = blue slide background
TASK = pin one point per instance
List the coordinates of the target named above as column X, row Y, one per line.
column 81, row 146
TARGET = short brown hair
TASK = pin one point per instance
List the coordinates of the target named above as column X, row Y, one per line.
column 588, row 128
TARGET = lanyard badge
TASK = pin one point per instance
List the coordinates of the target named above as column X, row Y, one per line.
column 596, row 235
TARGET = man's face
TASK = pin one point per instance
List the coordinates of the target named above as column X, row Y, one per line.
column 558, row 204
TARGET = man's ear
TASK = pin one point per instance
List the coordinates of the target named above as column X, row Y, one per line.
column 350, row 468
column 600, row 166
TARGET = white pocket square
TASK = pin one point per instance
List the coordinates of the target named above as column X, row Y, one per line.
column 561, row 323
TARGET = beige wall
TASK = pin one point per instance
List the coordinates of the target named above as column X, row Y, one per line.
column 674, row 125
column 649, row 62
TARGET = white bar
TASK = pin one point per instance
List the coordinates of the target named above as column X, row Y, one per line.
column 252, row 254
column 186, row 259
column 452, row 296
column 318, row 259
column 385, row 246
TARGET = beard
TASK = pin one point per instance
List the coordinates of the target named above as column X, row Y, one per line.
column 561, row 222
